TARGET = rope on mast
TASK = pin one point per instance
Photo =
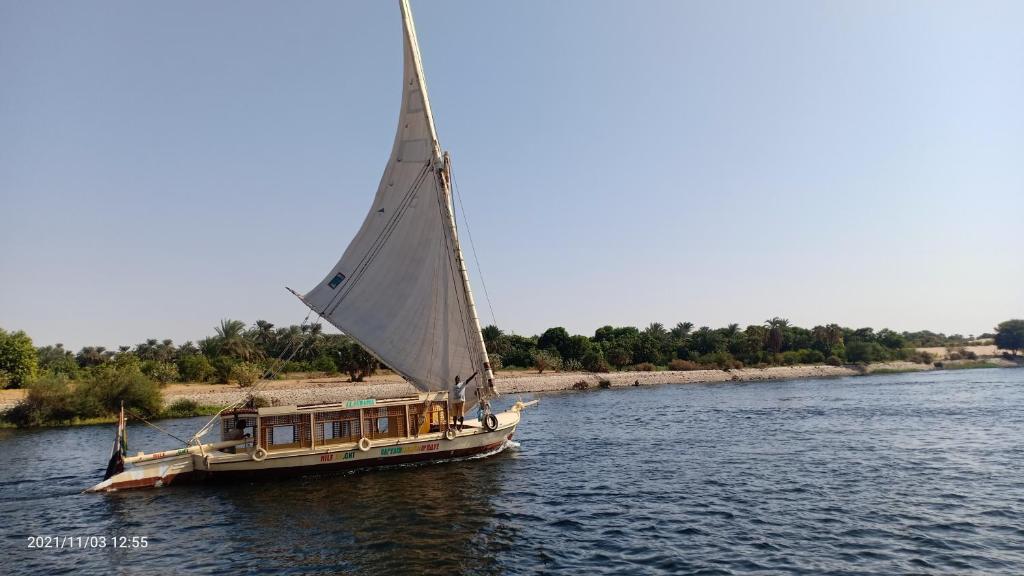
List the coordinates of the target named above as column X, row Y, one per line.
column 472, row 245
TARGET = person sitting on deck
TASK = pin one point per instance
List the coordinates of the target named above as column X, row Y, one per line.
column 238, row 433
column 459, row 402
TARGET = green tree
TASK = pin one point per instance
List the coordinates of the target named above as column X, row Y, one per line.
column 619, row 357
column 234, row 341
column 195, row 368
column 56, row 360
column 554, row 339
column 776, row 333
column 593, row 361
column 706, row 341
column 681, row 330
column 1010, row 335
column 264, row 337
column 576, row 348
column 93, row 356
column 491, row 334
column 355, row 361
column 18, row 359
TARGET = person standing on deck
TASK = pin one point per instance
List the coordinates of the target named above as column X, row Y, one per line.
column 238, row 433
column 459, row 400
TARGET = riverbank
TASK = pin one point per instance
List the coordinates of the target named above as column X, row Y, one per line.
column 338, row 389
column 208, row 398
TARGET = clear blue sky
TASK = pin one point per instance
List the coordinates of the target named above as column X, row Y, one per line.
column 165, row 165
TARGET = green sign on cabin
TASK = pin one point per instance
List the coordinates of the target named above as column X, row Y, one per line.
column 360, row 403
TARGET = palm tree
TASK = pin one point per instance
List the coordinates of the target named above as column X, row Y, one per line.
column 756, row 337
column 682, row 330
column 187, row 349
column 828, row 336
column 234, row 341
column 263, row 335
column 210, row 347
column 656, row 329
column 91, row 356
column 776, row 326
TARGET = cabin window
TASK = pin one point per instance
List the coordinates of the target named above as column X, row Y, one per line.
column 337, row 427
column 382, row 426
column 285, row 431
column 282, row 435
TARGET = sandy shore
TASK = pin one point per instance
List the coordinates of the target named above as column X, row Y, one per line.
column 390, row 385
column 320, row 390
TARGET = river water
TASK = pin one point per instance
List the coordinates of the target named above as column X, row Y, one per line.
column 909, row 473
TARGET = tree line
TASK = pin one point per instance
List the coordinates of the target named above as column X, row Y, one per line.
column 241, row 353
column 775, row 342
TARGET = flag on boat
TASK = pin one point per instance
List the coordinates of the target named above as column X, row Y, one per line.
column 117, row 454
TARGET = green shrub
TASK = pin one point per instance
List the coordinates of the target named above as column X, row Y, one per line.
column 162, row 372
column 292, row 366
column 593, row 361
column 721, row 360
column 246, row 373
column 790, row 358
column 572, row 365
column 195, row 368
column 546, row 360
column 257, row 401
column 917, row 356
column 683, row 365
column 222, row 366
column 496, row 361
column 181, row 408
column 104, row 391
column 866, row 352
column 808, row 356
column 325, row 364
column 50, row 399
column 833, row 361
column 644, row 367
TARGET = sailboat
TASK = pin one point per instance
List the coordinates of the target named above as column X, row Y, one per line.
column 401, row 289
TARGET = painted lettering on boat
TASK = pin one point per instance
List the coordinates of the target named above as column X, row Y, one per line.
column 360, row 403
column 330, row 457
column 391, row 451
column 428, row 447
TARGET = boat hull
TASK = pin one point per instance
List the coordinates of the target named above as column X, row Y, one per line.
column 474, row 440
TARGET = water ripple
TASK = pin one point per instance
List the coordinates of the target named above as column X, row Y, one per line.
column 917, row 473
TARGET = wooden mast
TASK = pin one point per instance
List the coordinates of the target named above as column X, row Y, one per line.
column 442, row 169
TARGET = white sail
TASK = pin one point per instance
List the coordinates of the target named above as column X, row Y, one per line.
column 399, row 288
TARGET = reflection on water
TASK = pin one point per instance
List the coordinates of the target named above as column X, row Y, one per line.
column 884, row 474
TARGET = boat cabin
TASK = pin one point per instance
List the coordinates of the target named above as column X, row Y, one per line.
column 278, row 428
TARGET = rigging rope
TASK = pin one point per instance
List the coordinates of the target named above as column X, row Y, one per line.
column 472, row 245
column 151, row 425
column 266, row 377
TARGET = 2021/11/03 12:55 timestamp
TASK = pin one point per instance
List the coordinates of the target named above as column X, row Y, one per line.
column 61, row 542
